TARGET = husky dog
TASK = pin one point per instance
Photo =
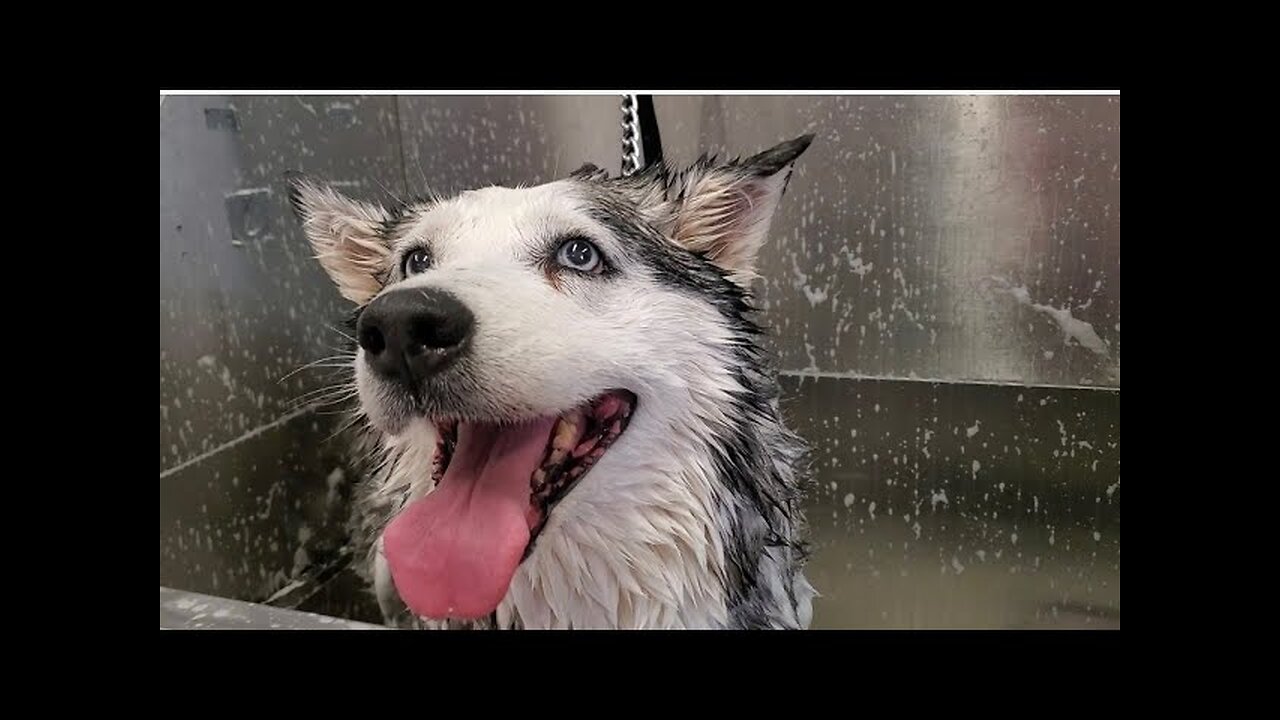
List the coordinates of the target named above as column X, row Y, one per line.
column 568, row 420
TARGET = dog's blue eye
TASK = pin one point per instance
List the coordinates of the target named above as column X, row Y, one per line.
column 579, row 254
column 417, row 262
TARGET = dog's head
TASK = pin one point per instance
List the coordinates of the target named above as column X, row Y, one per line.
column 521, row 337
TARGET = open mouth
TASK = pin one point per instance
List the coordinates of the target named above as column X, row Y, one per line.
column 453, row 552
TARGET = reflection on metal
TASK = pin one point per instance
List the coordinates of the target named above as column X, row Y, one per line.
column 959, row 238
column 943, row 283
column 180, row 610
column 957, row 505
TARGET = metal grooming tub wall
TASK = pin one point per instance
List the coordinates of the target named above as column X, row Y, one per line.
column 942, row 281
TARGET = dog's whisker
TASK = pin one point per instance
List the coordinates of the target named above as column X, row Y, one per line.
column 320, row 411
column 322, row 394
column 340, row 332
column 322, row 362
column 427, row 191
column 317, row 405
column 331, row 388
column 345, row 426
column 334, row 375
column 389, row 191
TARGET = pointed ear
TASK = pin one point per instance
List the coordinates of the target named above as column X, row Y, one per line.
column 724, row 210
column 347, row 236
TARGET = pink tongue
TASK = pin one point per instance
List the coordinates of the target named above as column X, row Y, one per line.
column 453, row 553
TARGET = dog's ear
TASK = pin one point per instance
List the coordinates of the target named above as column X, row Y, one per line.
column 724, row 210
column 347, row 236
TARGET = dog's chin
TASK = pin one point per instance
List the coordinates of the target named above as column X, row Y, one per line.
column 453, row 552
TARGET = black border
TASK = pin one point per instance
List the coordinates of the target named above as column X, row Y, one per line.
column 758, row 660
column 892, row 647
column 1085, row 60
column 704, row 81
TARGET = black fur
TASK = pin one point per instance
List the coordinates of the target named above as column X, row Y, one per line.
column 743, row 458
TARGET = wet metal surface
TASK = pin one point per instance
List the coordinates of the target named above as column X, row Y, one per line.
column 943, row 281
column 257, row 516
column 181, row 610
column 953, row 505
column 954, row 238
column 242, row 304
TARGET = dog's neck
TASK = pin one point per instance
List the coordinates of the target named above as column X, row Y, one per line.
column 646, row 552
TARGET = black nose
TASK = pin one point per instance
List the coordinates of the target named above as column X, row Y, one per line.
column 412, row 334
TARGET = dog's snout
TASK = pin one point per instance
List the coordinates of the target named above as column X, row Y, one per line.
column 414, row 333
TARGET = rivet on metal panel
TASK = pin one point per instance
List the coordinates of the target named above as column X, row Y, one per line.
column 221, row 119
column 341, row 114
column 247, row 213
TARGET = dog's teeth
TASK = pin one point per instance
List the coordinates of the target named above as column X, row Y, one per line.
column 585, row 447
column 566, row 433
column 557, row 456
column 539, row 478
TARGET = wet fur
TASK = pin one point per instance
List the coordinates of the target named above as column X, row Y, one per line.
column 693, row 519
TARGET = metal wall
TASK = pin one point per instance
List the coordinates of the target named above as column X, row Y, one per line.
column 943, row 283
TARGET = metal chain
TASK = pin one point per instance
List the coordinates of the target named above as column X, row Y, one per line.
column 632, row 144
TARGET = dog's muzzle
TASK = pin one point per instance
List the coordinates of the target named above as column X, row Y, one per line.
column 413, row 334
